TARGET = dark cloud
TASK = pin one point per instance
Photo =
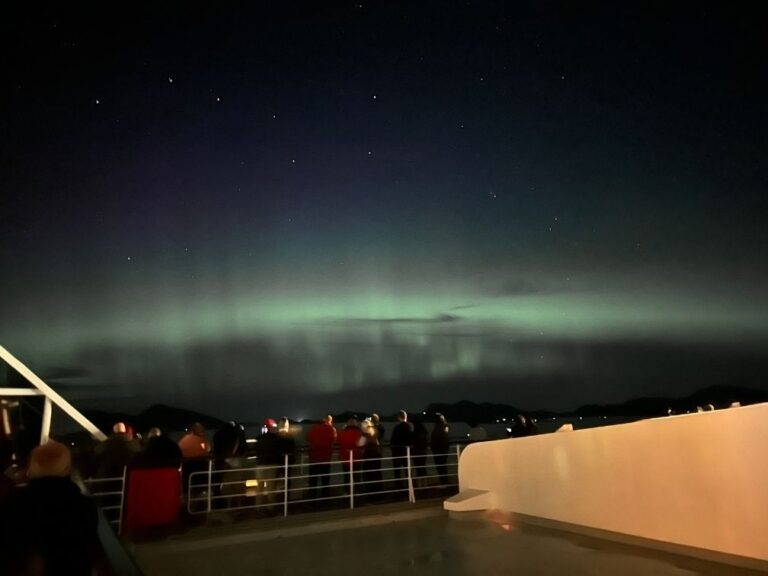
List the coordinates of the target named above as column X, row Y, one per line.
column 64, row 372
column 464, row 307
column 520, row 287
column 437, row 319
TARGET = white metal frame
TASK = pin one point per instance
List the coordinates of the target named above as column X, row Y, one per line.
column 40, row 388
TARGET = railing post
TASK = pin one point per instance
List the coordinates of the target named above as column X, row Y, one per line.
column 122, row 503
column 210, row 482
column 411, row 494
column 351, row 481
column 458, row 457
column 285, row 486
column 45, row 427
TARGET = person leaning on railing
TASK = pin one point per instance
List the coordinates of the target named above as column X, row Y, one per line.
column 440, row 444
column 321, row 438
column 401, row 439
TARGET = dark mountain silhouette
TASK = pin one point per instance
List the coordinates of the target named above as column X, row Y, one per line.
column 172, row 418
column 159, row 415
column 718, row 396
column 466, row 411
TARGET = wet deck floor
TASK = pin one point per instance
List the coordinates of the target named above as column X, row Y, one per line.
column 422, row 540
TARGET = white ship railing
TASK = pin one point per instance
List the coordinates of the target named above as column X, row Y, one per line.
column 272, row 487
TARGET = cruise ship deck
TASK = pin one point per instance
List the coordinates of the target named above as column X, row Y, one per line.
column 419, row 539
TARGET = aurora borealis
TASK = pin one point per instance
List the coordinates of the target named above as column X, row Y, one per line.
column 296, row 209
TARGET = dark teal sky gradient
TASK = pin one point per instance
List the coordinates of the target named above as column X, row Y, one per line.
column 298, row 207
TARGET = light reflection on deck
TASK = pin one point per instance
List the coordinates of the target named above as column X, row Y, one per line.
column 398, row 539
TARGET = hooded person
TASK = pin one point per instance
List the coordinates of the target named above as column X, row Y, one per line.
column 115, row 453
column 48, row 526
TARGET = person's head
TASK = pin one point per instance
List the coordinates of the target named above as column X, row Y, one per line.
column 375, row 419
column 402, row 416
column 367, row 427
column 352, row 423
column 328, row 419
column 154, row 433
column 285, row 424
column 49, row 460
column 270, row 425
column 119, row 428
column 440, row 419
column 197, row 429
column 521, row 419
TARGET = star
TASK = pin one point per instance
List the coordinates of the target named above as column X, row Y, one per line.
column 374, row 96
column 97, row 101
column 218, row 99
column 369, row 152
column 170, row 80
column 293, row 161
column 129, row 258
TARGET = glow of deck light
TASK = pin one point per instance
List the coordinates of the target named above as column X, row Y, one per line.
column 251, row 483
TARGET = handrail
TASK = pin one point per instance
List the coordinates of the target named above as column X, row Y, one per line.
column 268, row 486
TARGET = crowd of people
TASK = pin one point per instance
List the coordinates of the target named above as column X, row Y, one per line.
column 48, row 522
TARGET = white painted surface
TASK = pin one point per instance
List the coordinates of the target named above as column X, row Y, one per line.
column 51, row 395
column 696, row 480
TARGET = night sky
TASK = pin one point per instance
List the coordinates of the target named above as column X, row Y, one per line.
column 294, row 208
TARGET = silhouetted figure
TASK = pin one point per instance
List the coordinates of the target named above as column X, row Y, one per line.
column 194, row 444
column 115, row 452
column 321, row 438
column 378, row 426
column 521, row 427
column 159, row 452
column 288, row 446
column 419, row 449
column 48, row 527
column 269, row 451
column 440, row 444
column 226, row 445
column 195, row 448
column 6, row 463
column 402, row 437
column 371, row 455
column 476, row 432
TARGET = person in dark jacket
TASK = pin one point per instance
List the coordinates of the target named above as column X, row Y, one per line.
column 48, row 527
column 159, row 452
column 378, row 426
column 116, row 452
column 523, row 426
column 401, row 439
column 440, row 444
column 270, row 454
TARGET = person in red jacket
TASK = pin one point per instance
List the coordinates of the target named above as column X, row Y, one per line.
column 351, row 444
column 321, row 439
